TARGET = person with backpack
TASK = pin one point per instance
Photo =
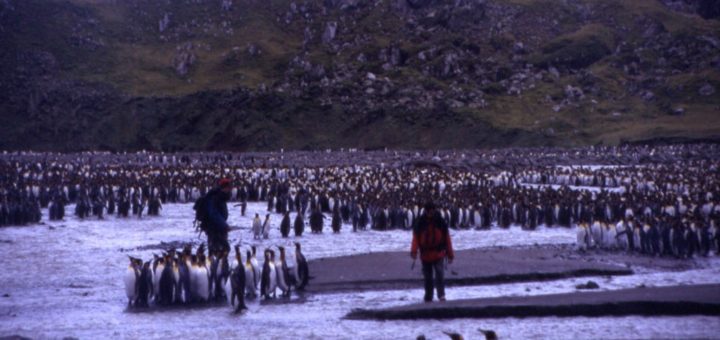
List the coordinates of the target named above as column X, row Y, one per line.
column 432, row 238
column 211, row 212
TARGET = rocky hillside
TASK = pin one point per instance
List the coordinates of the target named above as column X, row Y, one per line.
column 307, row 74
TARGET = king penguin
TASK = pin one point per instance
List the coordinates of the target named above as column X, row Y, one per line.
column 256, row 267
column 303, row 272
column 132, row 276
column 237, row 279
column 268, row 284
column 281, row 269
column 250, row 288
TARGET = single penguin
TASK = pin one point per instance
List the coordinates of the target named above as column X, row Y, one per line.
column 299, row 225
column 250, row 288
column 266, row 227
column 256, row 267
column 132, row 279
column 303, row 271
column 336, row 221
column 158, row 267
column 596, row 231
column 145, row 286
column 489, row 334
column 268, row 283
column 222, row 274
column 184, row 268
column 285, row 225
column 609, row 233
column 454, row 336
column 237, row 279
column 281, row 270
column 167, row 282
column 583, row 236
column 203, row 280
column 257, row 227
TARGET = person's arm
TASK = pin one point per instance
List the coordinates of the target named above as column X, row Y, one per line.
column 414, row 247
column 215, row 218
column 448, row 245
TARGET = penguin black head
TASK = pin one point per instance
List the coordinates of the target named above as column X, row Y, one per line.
column 489, row 334
column 454, row 336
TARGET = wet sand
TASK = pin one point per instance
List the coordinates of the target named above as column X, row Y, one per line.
column 392, row 270
column 674, row 300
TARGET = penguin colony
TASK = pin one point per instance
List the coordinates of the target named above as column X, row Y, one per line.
column 674, row 188
column 186, row 278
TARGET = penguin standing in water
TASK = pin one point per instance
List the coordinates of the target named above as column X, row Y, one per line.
column 268, row 283
column 250, row 287
column 132, row 280
column 303, row 272
column 285, row 225
column 299, row 225
column 237, row 279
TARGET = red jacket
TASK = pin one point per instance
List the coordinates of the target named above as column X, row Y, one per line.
column 432, row 238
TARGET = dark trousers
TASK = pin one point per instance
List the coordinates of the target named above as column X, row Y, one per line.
column 218, row 242
column 436, row 268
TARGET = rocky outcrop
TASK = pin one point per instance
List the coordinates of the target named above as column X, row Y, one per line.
column 184, row 59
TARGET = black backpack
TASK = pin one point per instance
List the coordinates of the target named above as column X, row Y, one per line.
column 201, row 211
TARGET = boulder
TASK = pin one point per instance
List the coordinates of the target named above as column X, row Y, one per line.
column 164, row 23
column 330, row 32
column 588, row 285
column 707, row 90
column 184, row 59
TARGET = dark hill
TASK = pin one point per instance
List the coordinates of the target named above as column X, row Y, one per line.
column 259, row 75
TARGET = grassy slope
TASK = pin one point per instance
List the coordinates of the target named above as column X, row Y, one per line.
column 137, row 61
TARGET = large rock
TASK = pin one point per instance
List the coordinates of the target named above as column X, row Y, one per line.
column 184, row 59
column 330, row 32
column 164, row 22
column 707, row 90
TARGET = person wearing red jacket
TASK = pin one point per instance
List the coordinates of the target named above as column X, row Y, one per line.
column 432, row 238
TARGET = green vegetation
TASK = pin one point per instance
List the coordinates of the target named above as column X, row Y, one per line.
column 95, row 73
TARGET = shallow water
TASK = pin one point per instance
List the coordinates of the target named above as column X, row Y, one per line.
column 65, row 279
